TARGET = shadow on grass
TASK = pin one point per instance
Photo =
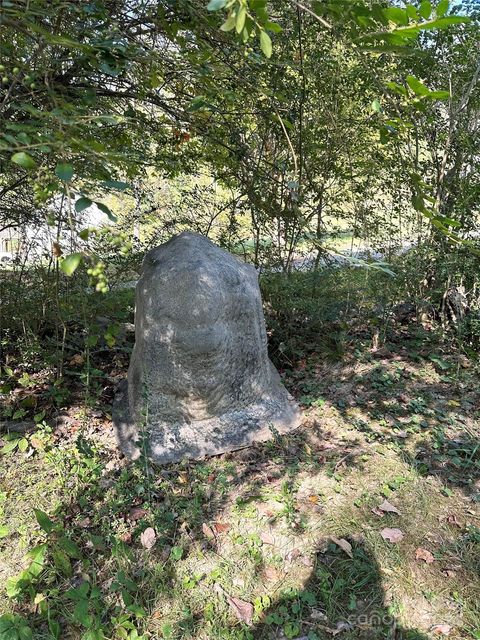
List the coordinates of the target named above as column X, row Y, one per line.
column 343, row 596
column 92, row 572
column 393, row 401
column 112, row 585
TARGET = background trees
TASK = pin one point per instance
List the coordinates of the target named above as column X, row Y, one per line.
column 281, row 130
column 360, row 106
column 334, row 144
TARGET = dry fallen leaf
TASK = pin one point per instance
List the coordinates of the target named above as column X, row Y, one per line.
column 267, row 538
column 183, row 477
column 272, row 574
column 126, row 537
column 378, row 512
column 392, row 535
column 341, row 626
column 208, row 531
column 387, row 507
column 136, row 513
column 423, row 554
column 56, row 249
column 307, row 561
column 243, row 610
column 452, row 519
column 77, row 359
column 221, row 527
column 343, row 544
column 148, row 538
column 265, row 510
column 442, row 629
column 84, row 523
column 292, row 555
column 37, row 443
column 316, row 614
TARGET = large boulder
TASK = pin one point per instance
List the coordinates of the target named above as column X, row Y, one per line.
column 200, row 381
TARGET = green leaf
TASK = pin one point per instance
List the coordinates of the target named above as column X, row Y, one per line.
column 418, row 203
column 442, row 8
column 258, row 5
column 62, row 561
column 440, row 23
column 14, row 628
column 176, row 553
column 38, row 558
column 84, row 233
column 44, row 521
column 80, row 613
column 273, row 26
column 117, row 184
column 167, row 631
column 70, row 263
column 97, row 634
column 64, row 171
column 215, row 5
column 4, row 531
column 10, row 446
column 54, row 628
column 395, row 37
column 13, row 435
column 397, row 15
column 265, row 44
column 13, row 587
column 229, row 24
column 240, row 20
column 23, row 445
column 425, row 9
column 24, row 632
column 24, row 160
column 376, row 106
column 448, row 221
column 439, row 95
column 38, row 417
column 155, row 80
column 197, row 103
column 397, row 88
column 411, row 12
column 7, row 623
column 79, row 593
column 82, row 203
column 70, row 547
column 417, row 87
column 106, row 211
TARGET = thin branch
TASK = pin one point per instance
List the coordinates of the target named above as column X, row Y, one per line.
column 312, row 13
column 289, row 141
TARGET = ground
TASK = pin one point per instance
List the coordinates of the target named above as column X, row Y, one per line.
column 363, row 523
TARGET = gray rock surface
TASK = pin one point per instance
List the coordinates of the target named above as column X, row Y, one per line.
column 200, row 381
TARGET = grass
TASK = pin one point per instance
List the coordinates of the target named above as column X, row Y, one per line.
column 281, row 540
column 260, row 522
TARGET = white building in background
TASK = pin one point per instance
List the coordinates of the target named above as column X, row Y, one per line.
column 10, row 241
column 33, row 242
